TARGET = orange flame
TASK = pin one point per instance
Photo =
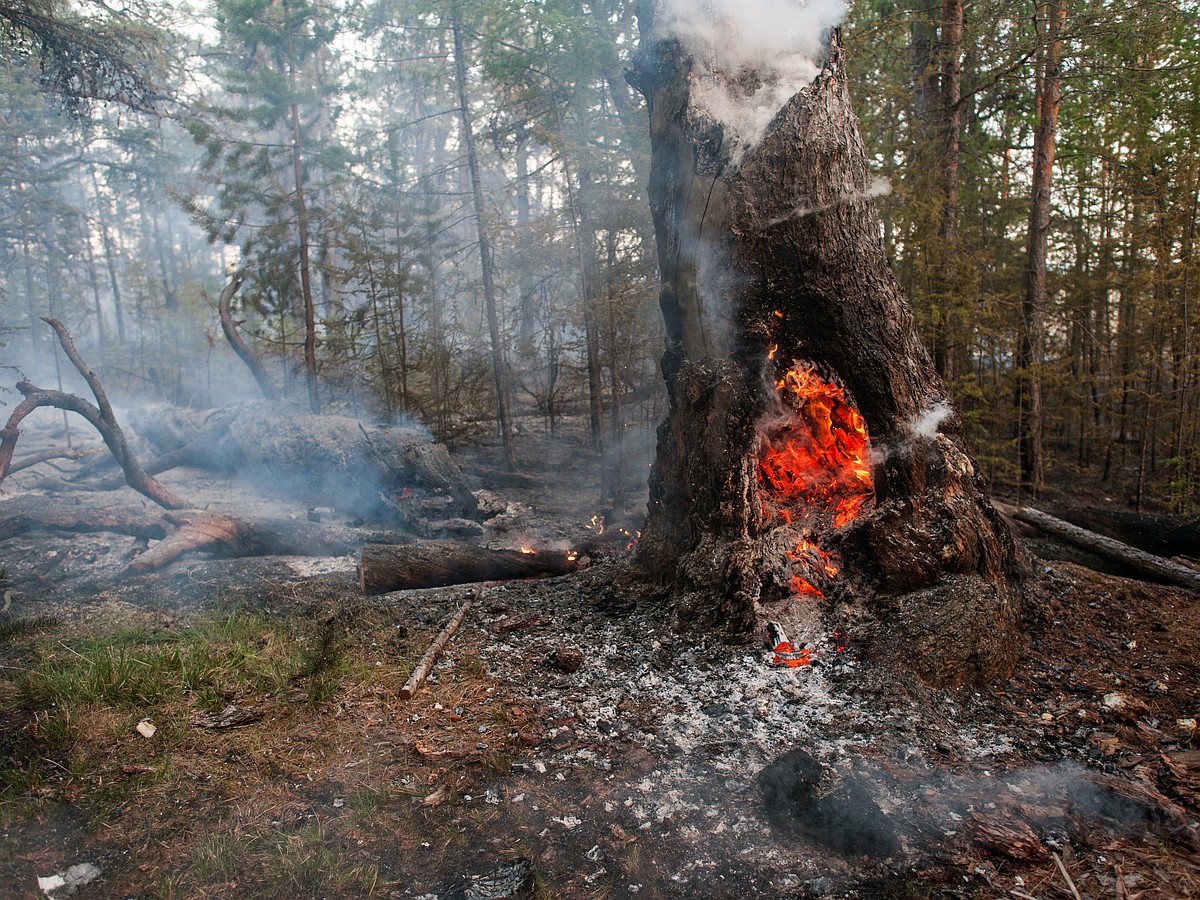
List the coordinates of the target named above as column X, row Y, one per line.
column 787, row 654
column 812, row 469
column 525, row 549
column 597, row 524
column 818, row 459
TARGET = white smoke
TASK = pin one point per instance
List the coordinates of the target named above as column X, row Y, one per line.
column 780, row 41
column 879, row 187
column 927, row 425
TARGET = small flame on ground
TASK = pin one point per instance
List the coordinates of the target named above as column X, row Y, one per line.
column 525, row 549
column 597, row 524
column 572, row 555
column 786, row 654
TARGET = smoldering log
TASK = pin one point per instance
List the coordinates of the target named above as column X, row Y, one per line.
column 329, row 460
column 1172, row 573
column 391, row 567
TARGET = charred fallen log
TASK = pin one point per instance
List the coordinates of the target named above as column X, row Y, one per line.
column 401, row 567
column 178, row 532
column 1147, row 563
column 328, row 460
column 1161, row 535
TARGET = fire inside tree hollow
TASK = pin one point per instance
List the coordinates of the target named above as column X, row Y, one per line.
column 813, row 472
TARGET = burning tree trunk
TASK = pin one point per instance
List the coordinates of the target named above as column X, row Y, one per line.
column 777, row 293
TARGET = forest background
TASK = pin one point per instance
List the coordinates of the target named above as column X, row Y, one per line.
column 438, row 211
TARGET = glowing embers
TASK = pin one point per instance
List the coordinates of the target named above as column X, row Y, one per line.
column 812, row 469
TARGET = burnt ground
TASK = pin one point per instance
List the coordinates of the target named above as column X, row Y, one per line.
column 569, row 740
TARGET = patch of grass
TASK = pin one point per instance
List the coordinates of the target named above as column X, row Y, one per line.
column 220, row 857
column 304, row 861
column 76, row 700
column 26, row 625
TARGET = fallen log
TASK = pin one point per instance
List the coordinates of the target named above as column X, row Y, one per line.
column 1147, row 563
column 1162, row 535
column 421, row 672
column 326, row 460
column 185, row 531
column 398, row 567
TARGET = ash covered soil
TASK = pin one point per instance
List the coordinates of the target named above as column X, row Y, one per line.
column 569, row 743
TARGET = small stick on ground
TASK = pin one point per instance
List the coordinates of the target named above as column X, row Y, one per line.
column 1066, row 876
column 421, row 672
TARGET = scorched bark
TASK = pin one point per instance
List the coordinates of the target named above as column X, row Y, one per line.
column 781, row 245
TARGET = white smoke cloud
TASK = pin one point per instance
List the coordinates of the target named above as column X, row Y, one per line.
column 779, row 40
column 926, row 426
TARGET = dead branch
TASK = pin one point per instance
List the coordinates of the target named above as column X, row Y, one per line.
column 1113, row 549
column 100, row 415
column 239, row 345
column 46, row 456
column 1066, row 876
column 421, row 672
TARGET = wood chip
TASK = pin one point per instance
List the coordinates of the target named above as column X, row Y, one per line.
column 229, row 717
column 437, row 798
column 1008, row 835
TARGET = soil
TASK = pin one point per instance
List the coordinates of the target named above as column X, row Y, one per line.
column 571, row 743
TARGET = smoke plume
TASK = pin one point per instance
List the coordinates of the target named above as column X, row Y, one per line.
column 780, row 41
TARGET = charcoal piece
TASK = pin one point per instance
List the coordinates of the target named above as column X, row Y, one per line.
column 805, row 799
column 510, row 881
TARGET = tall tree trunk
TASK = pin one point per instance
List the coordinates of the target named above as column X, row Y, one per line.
column 952, row 69
column 310, row 310
column 1052, row 17
column 110, row 258
column 486, row 264
column 783, row 248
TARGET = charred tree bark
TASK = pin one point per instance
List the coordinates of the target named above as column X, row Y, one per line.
column 782, row 246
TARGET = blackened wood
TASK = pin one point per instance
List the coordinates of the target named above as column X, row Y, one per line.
column 1158, row 534
column 1164, row 569
column 398, row 567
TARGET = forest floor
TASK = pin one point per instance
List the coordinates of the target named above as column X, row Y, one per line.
column 569, row 739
